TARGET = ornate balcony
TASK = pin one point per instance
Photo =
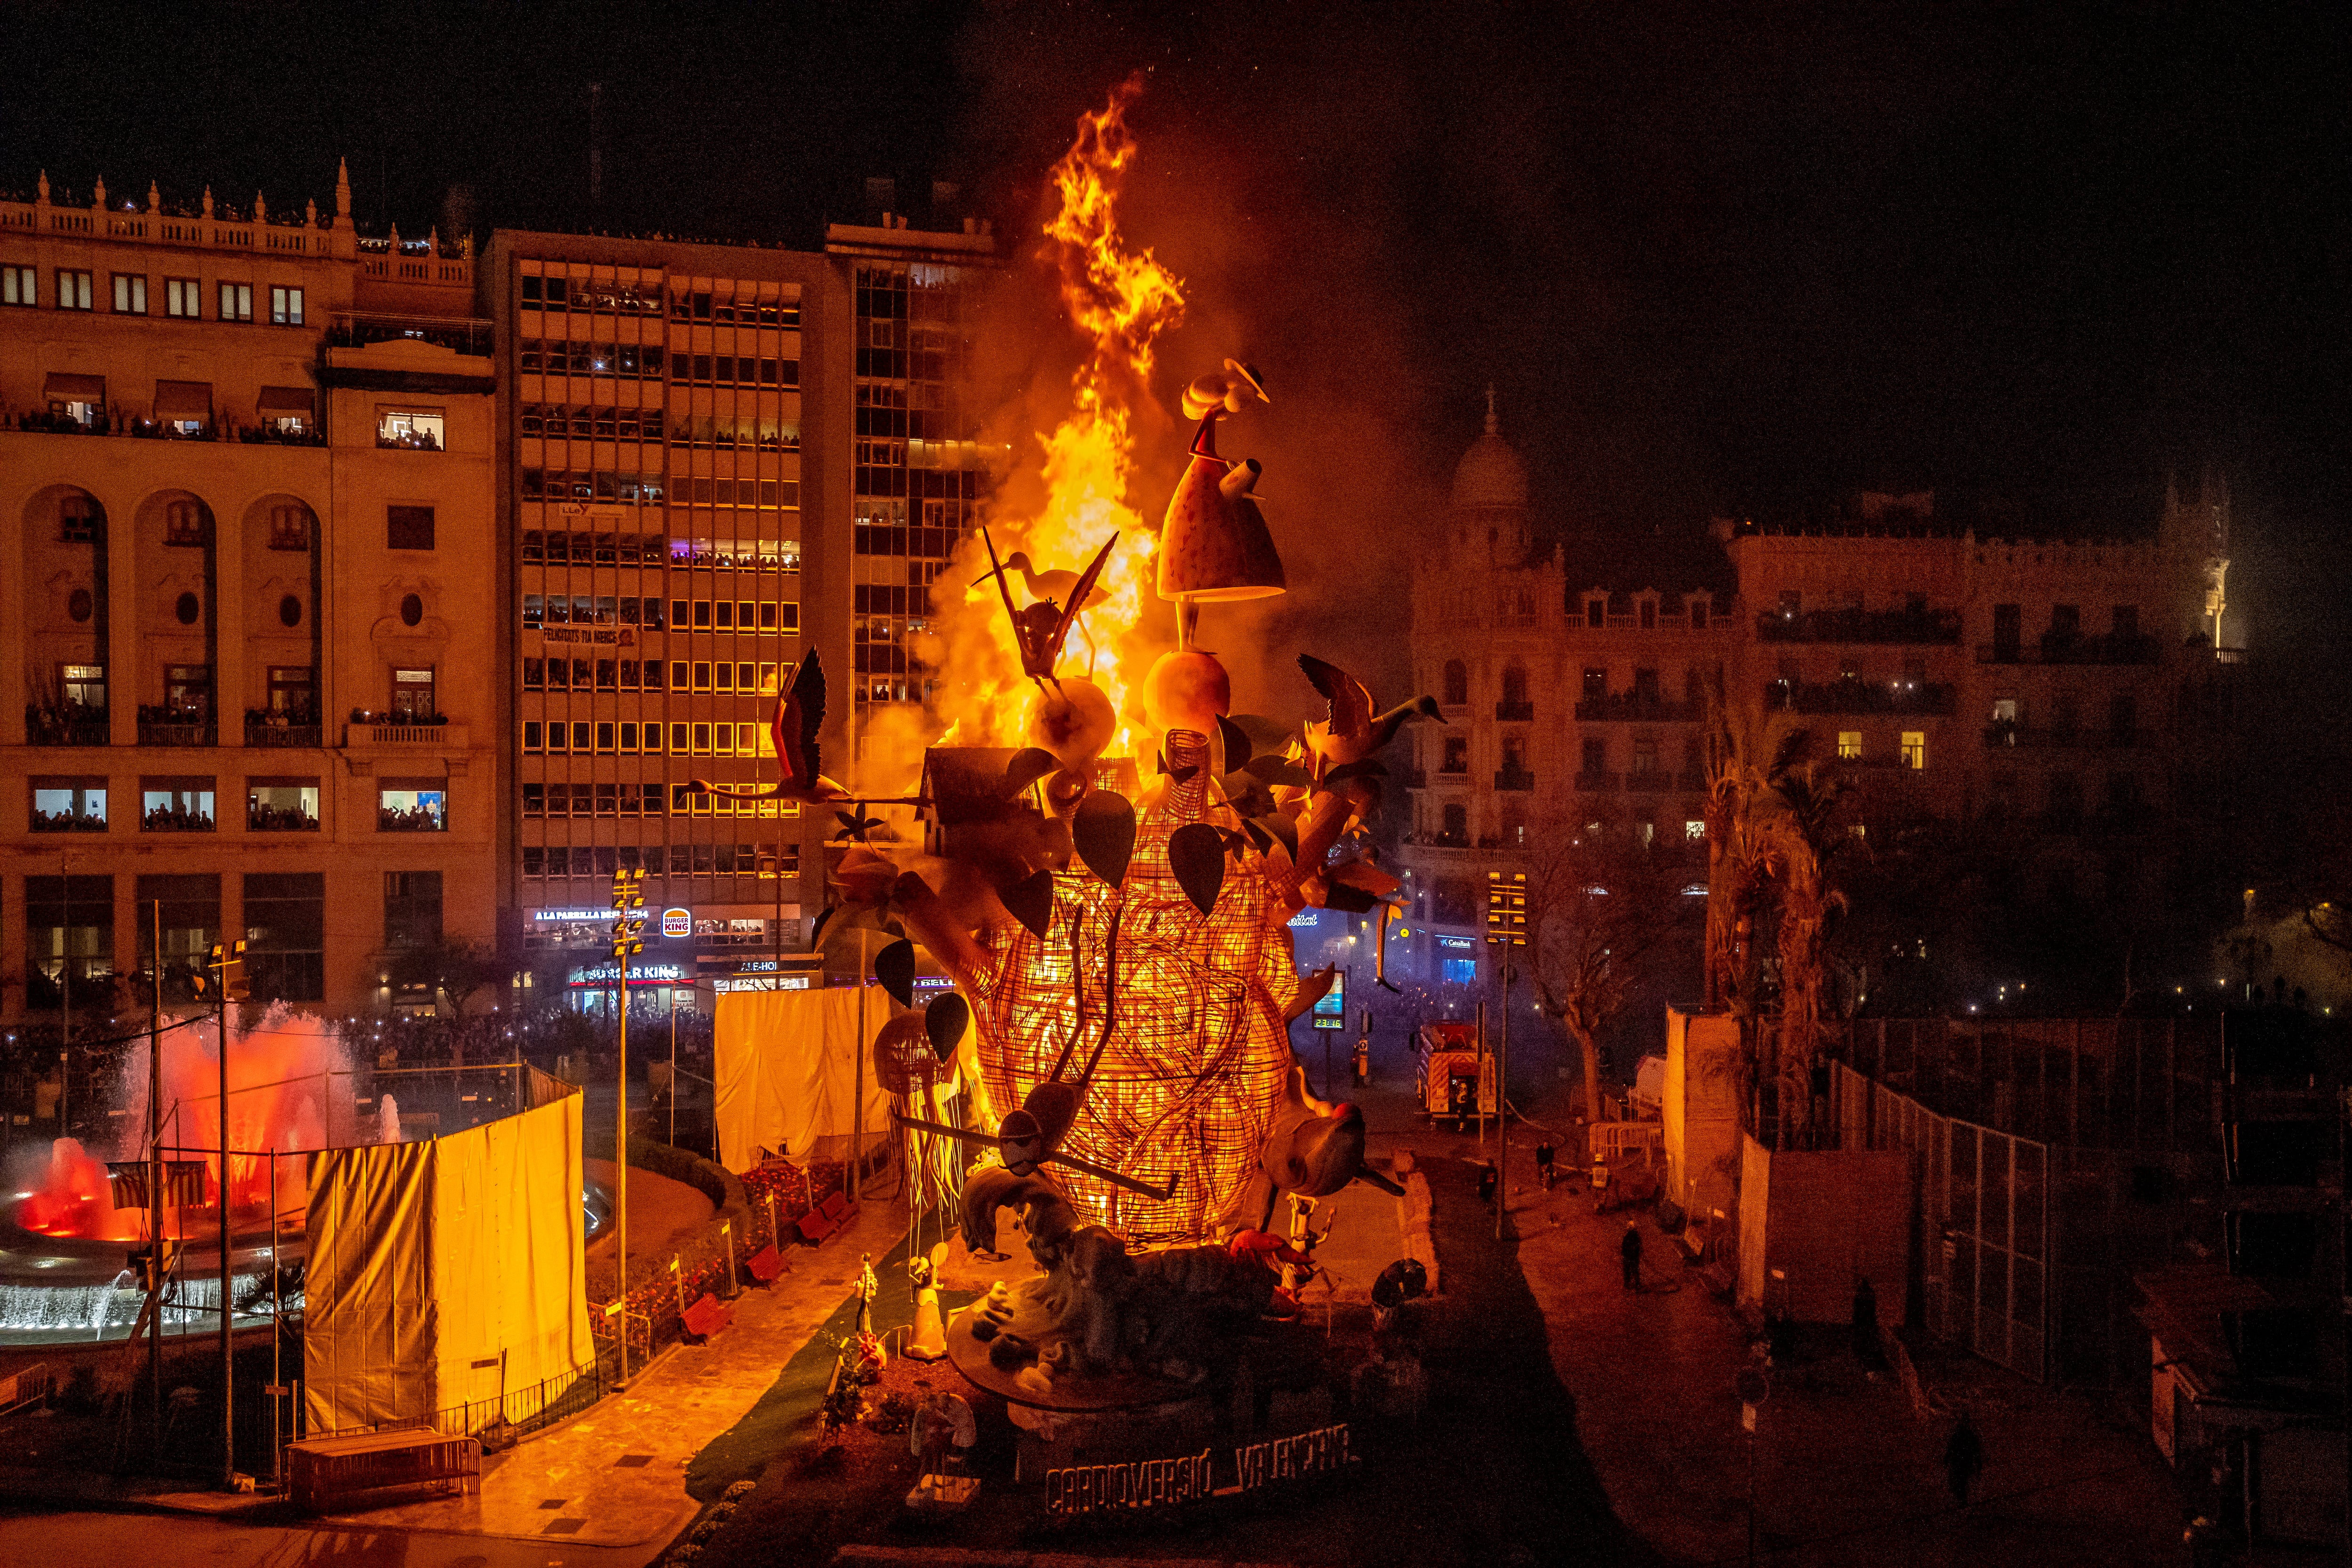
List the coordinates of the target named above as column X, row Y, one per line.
column 1634, row 708
column 1653, row 783
column 1921, row 626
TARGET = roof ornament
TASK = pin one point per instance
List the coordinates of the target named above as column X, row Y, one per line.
column 1494, row 427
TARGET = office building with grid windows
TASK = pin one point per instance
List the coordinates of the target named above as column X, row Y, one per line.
column 713, row 460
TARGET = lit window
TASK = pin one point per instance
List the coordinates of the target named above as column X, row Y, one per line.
column 286, row 307
column 412, row 806
column 183, row 297
column 1915, row 748
column 130, row 294
column 236, row 302
column 19, row 286
column 1694, row 830
column 1458, row 970
column 73, row 290
column 410, row 429
column 1850, row 746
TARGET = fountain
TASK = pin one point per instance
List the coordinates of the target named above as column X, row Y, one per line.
column 292, row 1089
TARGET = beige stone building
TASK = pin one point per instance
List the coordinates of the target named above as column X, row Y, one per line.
column 248, row 536
column 2058, row 689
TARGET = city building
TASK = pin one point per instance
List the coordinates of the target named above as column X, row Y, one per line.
column 245, row 505
column 2051, row 686
column 714, row 459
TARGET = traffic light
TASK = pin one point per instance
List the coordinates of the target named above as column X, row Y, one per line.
column 1506, row 908
column 228, row 982
column 628, row 913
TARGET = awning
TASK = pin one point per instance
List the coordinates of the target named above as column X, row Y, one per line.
column 184, row 400
column 288, row 400
column 64, row 388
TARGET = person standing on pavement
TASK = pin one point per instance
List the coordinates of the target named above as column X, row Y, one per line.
column 1630, row 1251
column 1544, row 1157
column 1964, row 1459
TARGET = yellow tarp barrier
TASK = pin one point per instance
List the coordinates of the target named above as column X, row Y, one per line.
column 446, row 1279
column 787, row 1063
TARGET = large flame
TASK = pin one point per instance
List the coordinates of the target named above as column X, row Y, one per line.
column 1120, row 298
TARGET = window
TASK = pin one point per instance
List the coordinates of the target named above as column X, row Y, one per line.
column 411, row 694
column 73, row 290
column 412, row 806
column 68, row 928
column 68, row 806
column 1457, row 682
column 290, row 691
column 1458, row 970
column 187, row 693
column 186, row 608
column 130, row 294
column 83, row 687
column 410, row 429
column 290, row 527
column 412, row 909
column 2008, row 632
column 534, row 674
column 408, row 528
column 1596, row 685
column 289, row 612
column 236, row 302
column 187, row 908
column 183, row 524
column 1694, row 830
column 183, row 297
column 19, row 286
column 284, row 307
column 285, row 931
column 412, row 609
column 281, row 806
column 534, row 736
column 2122, row 716
column 1915, row 748
column 175, row 806
column 1850, row 746
column 2124, row 622
column 1596, row 754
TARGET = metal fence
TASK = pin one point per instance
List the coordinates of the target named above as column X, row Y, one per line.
column 1983, row 1217
column 2149, row 1084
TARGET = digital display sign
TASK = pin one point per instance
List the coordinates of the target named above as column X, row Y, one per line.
column 1331, row 1011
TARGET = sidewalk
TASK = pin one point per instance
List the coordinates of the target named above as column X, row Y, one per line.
column 618, row 1475
column 1845, row 1472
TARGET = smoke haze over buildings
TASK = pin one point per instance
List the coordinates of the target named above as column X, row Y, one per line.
column 1733, row 262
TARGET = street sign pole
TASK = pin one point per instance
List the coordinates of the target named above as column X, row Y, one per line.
column 629, row 931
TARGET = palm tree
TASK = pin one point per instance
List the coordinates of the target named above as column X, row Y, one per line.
column 1799, row 838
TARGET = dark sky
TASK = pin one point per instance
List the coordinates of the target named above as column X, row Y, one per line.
column 1719, row 259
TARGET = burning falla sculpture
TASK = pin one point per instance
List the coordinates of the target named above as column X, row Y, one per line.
column 1146, row 943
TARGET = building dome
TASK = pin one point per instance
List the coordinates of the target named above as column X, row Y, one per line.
column 1491, row 473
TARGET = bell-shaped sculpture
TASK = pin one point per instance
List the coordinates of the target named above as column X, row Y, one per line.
column 1214, row 546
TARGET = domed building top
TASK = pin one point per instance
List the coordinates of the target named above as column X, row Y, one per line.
column 1491, row 473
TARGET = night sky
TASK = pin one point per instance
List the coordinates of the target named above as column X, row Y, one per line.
column 1718, row 260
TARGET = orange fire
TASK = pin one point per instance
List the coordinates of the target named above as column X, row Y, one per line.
column 1120, row 298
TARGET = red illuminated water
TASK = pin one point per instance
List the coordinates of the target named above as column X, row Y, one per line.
column 289, row 1076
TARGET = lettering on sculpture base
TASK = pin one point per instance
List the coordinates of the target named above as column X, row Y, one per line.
column 1151, row 1485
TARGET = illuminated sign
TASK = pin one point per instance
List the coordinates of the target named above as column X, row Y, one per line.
column 756, row 966
column 1331, row 1010
column 645, row 974
column 1459, row 944
column 677, row 922
column 568, row 917
column 760, row 983
column 1303, row 920
column 932, row 985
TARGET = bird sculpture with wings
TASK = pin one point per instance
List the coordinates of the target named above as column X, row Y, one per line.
column 800, row 714
column 1352, row 732
column 1043, row 628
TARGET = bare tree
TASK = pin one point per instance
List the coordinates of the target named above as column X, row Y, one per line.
column 1602, row 911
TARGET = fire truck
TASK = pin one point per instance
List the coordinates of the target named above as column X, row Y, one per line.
column 1457, row 1078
